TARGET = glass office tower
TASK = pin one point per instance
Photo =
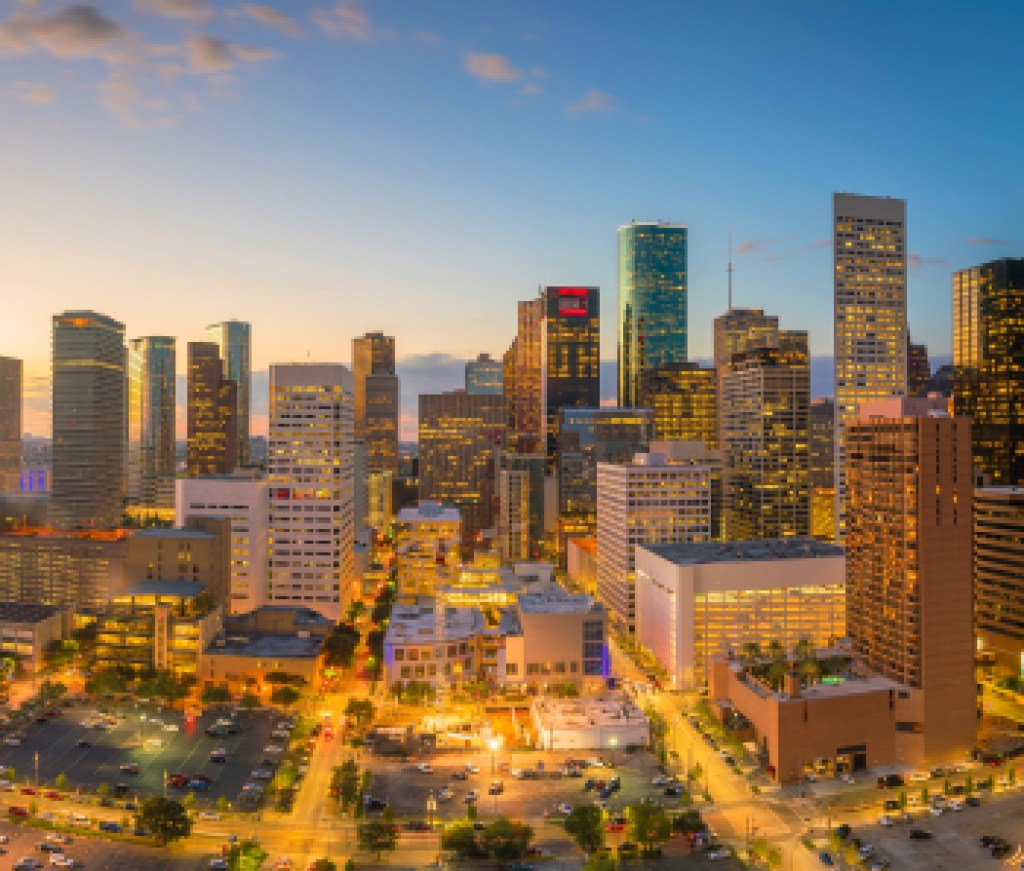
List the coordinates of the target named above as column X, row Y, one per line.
column 151, row 431
column 234, row 342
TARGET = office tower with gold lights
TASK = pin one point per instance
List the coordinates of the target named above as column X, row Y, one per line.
column 211, row 413
column 376, row 400
column 151, row 422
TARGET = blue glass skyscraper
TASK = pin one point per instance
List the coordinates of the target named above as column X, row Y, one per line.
column 652, row 302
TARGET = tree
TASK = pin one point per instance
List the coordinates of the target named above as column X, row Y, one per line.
column 108, row 681
column 223, row 803
column 586, row 827
column 103, row 790
column 810, row 670
column 189, row 801
column 600, row 862
column 969, row 786
column 777, row 673
column 751, row 651
column 506, row 840
column 61, row 781
column 59, row 653
column 804, row 648
column 285, row 696
column 461, row 838
column 377, row 836
column 323, row 865
column 361, row 710
column 166, row 818
column 346, row 781
column 284, row 678
column 340, row 646
column 215, row 694
column 649, row 824
column 247, row 855
column 249, row 700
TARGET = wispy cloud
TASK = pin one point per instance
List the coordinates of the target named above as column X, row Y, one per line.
column 345, row 20
column 916, row 261
column 982, row 241
column 208, row 55
column 593, row 101
column 273, row 18
column 186, row 10
column 71, row 32
column 530, row 90
column 491, row 67
column 34, row 93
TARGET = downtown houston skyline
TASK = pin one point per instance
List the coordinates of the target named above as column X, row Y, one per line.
column 178, row 164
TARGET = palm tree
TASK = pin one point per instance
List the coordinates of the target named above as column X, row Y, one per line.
column 810, row 670
column 776, row 673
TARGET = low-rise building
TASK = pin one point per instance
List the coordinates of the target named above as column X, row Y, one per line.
column 603, row 723
column 699, row 600
column 999, row 576
column 199, row 553
column 582, row 563
column 26, row 630
column 427, row 540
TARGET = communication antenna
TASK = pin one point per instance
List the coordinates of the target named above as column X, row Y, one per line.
column 729, row 270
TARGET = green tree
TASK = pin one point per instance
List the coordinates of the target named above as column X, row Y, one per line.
column 377, row 836
column 285, row 696
column 165, row 818
column 323, row 865
column 804, row 648
column 777, row 673
column 340, row 646
column 586, row 826
column 461, row 838
column 1011, row 775
column 902, row 799
column 223, row 803
column 361, row 710
column 810, row 670
column 346, row 781
column 506, row 840
column 215, row 694
column 649, row 824
column 249, row 700
column 189, row 801
column 61, row 781
column 472, row 812
column 751, row 651
column 947, row 787
column 103, row 790
column 107, row 681
column 246, row 855
column 969, row 786
column 284, row 678
column 59, row 653
column 924, row 794
column 600, row 862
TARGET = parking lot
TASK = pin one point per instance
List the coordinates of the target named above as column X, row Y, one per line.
column 158, row 742
column 406, row 789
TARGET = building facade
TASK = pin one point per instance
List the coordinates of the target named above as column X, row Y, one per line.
column 10, row 423
column 647, row 501
column 765, row 441
column 684, row 400
column 244, row 499
column 312, row 487
column 870, row 285
column 152, row 373
column 908, row 567
column 212, row 406
column 427, row 539
column 89, row 429
column 822, row 469
column 652, row 302
column 376, row 399
column 485, row 375
column 699, row 601
column 199, row 553
column 919, row 370
column 999, row 576
column 988, row 364
column 234, row 345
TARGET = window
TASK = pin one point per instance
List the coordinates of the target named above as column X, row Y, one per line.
column 559, row 668
column 406, row 671
column 399, row 654
column 532, row 668
column 511, row 669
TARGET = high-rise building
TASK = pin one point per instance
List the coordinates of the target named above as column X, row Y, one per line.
column 459, row 436
column 10, row 423
column 570, row 352
column 999, row 575
column 919, row 371
column 88, row 421
column 521, row 514
column 523, row 379
column 652, row 302
column 648, row 501
column 684, row 401
column 765, row 429
column 908, row 567
column 376, row 399
column 312, row 487
column 211, row 408
column 988, row 364
column 151, row 421
column 243, row 498
column 739, row 330
column 234, row 344
column 870, row 263
column 822, row 469
column 484, row 375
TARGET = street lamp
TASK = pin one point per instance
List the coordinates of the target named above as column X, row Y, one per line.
column 613, row 742
column 431, row 808
column 35, row 759
column 493, row 744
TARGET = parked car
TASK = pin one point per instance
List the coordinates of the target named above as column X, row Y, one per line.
column 128, row 767
column 920, row 835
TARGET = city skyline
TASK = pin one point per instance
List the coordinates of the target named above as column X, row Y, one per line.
column 489, row 154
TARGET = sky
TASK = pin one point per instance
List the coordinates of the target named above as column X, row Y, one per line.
column 321, row 169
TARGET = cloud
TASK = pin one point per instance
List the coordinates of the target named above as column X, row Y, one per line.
column 72, row 32
column 916, row 261
column 186, row 10
column 36, row 94
column 593, row 101
column 273, row 18
column 209, row 55
column 345, row 20
column 491, row 67
column 751, row 246
column 531, row 90
column 982, row 241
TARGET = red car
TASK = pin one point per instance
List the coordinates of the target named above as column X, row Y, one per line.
column 29, row 790
column 178, row 781
column 328, row 732
column 56, row 796
column 16, row 810
column 52, row 714
column 614, row 827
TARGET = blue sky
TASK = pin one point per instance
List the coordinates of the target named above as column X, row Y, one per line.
column 322, row 169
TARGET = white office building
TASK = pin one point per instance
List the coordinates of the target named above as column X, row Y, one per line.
column 870, row 260
column 242, row 498
column 647, row 501
column 697, row 601
column 312, row 487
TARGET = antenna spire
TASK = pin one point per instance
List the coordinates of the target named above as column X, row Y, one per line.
column 729, row 270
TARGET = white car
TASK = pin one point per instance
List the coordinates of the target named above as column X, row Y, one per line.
column 13, row 741
column 517, row 773
column 171, row 727
column 720, row 853
column 445, row 794
column 956, row 805
column 660, row 780
column 471, row 796
column 209, row 815
column 564, row 808
column 918, row 777
column 57, row 838
column 273, row 748
column 425, row 768
column 472, row 769
column 845, row 777
column 885, row 820
column 217, row 862
column 936, row 810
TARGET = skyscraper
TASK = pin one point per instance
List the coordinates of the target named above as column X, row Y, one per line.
column 460, row 435
column 88, row 421
column 908, row 568
column 988, row 364
column 765, row 436
column 151, row 421
column 376, row 399
column 234, row 344
column 211, row 409
column 570, row 351
column 739, row 330
column 652, row 302
column 484, row 375
column 919, row 371
column 823, row 469
column 524, row 400
column 870, row 262
column 999, row 575
column 10, row 422
column 684, row 400
column 312, row 487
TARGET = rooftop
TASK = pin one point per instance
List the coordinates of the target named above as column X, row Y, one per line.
column 266, row 646
column 553, row 599
column 20, row 612
column 174, row 532
column 582, row 713
column 761, row 550
column 417, row 623
column 174, row 589
column 428, row 510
